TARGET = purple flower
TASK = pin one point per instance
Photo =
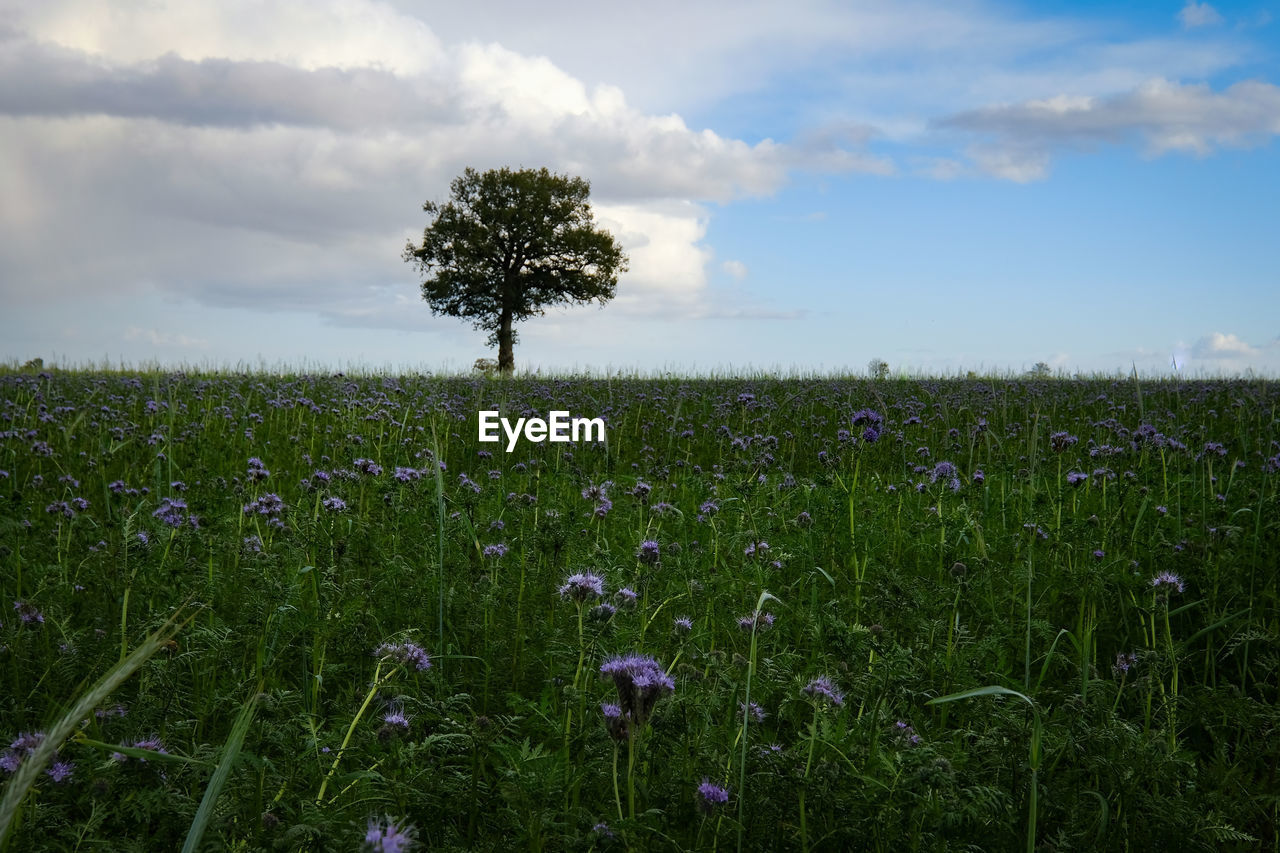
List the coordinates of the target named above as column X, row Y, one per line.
column 368, row 466
column 172, row 512
column 615, row 722
column 626, row 596
column 383, row 836
column 395, row 716
column 602, row 508
column 649, row 552
column 269, row 505
column 334, row 504
column 582, row 586
column 760, row 620
column 1075, row 478
column 640, row 681
column 755, row 711
column 61, row 771
column 603, row 612
column 1060, row 441
column 682, row 624
column 1166, row 582
column 1123, row 663
column 408, row 654
column 597, row 493
column 756, row 549
column 711, row 795
column 28, row 613
column 942, row 471
column 152, row 744
column 823, row 690
column 496, row 550
column 866, row 416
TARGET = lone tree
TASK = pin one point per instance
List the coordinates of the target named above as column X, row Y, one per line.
column 509, row 244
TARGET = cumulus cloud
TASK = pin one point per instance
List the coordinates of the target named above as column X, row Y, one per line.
column 736, row 270
column 1194, row 15
column 1218, row 345
column 283, row 166
column 1167, row 116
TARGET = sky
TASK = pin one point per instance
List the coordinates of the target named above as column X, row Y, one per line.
column 944, row 185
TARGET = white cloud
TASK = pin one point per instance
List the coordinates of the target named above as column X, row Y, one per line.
column 1194, row 15
column 736, row 270
column 282, row 166
column 1168, row 116
column 1218, row 345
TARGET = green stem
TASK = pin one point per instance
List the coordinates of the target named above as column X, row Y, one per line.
column 373, row 690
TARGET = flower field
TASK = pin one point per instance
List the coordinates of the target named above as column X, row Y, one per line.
column 270, row 612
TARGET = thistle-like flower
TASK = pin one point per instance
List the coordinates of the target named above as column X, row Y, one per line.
column 640, row 681
column 582, row 586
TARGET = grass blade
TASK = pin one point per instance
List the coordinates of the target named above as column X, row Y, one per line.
column 230, row 754
column 35, row 764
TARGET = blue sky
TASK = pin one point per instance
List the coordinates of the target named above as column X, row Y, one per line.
column 946, row 186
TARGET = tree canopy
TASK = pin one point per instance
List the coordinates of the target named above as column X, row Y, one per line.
column 507, row 245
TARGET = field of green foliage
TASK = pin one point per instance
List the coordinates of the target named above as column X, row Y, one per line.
column 289, row 612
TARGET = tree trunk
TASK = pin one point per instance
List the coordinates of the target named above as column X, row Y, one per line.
column 506, row 351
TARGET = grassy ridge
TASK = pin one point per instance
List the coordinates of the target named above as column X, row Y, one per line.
column 1106, row 548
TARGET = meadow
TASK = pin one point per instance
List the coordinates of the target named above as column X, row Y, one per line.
column 312, row 612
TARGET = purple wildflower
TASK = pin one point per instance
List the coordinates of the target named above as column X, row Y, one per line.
column 334, row 504
column 171, row 512
column 942, row 471
column 640, row 681
column 1060, row 441
column 760, row 620
column 823, row 690
column 409, row 654
column 649, row 552
column 257, row 470
column 711, row 795
column 28, row 613
column 1123, row 663
column 269, row 506
column 582, row 586
column 1075, row 478
column 61, row 771
column 682, row 624
column 496, row 550
column 603, row 612
column 1167, row 582
column 383, row 836
column 395, row 716
column 615, row 722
